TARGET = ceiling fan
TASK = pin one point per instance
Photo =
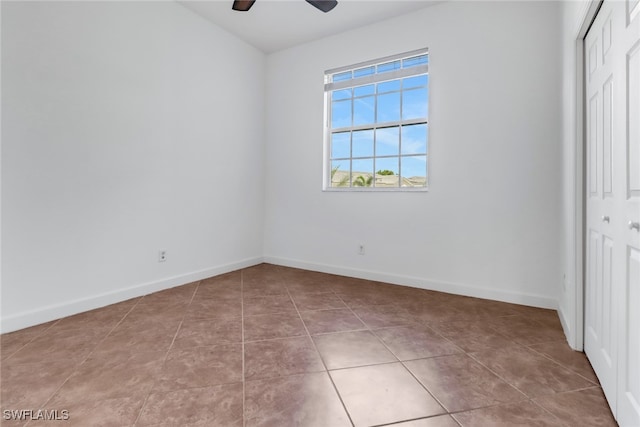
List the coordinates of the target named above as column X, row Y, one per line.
column 323, row 5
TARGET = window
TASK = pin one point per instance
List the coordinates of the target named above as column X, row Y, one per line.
column 377, row 124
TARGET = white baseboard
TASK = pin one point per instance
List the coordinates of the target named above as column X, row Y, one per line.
column 568, row 332
column 418, row 282
column 57, row 311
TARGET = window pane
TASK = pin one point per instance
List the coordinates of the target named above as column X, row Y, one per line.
column 341, row 94
column 414, row 171
column 342, row 76
column 387, row 165
column 363, row 143
column 340, row 173
column 414, row 139
column 389, row 86
column 363, row 111
column 414, row 104
column 389, row 66
column 367, row 71
column 387, row 142
column 362, row 175
column 416, row 60
column 388, row 107
column 364, row 90
column 340, row 114
column 378, row 123
column 416, row 81
column 340, row 145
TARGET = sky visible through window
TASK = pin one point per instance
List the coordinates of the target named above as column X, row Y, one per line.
column 380, row 125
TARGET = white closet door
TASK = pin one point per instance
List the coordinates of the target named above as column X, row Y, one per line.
column 612, row 297
column 628, row 409
column 602, row 185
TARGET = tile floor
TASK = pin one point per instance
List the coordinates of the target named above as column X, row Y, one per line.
column 275, row 346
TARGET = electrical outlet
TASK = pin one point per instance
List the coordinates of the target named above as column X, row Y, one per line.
column 162, row 256
column 361, row 249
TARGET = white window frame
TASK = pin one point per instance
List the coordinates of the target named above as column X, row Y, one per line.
column 331, row 86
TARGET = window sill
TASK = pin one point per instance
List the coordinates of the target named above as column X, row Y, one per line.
column 376, row 190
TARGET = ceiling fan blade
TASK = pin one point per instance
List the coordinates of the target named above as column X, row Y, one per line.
column 323, row 5
column 242, row 5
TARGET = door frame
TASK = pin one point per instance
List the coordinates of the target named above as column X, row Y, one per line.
column 580, row 174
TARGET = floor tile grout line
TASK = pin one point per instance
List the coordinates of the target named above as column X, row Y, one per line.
column 452, row 414
column 166, row 356
column 569, row 391
column 533, row 402
column 521, row 391
column 465, row 336
column 36, row 336
column 399, row 423
column 354, row 313
column 560, row 363
column 313, row 343
column 420, row 382
column 295, row 374
column 198, row 387
column 372, row 330
column 411, row 373
column 324, row 334
column 540, row 324
column 276, row 339
column 368, row 365
column 424, row 326
column 491, row 405
column 470, row 355
column 566, row 392
column 56, row 321
column 244, row 386
column 78, row 365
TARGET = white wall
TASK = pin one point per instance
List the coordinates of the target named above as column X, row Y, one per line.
column 133, row 127
column 570, row 299
column 490, row 226
column 127, row 127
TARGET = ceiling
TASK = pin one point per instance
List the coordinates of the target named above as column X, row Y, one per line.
column 273, row 25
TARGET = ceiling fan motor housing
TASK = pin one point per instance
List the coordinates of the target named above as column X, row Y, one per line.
column 323, row 5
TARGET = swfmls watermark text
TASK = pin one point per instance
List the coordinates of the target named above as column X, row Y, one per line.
column 35, row 414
